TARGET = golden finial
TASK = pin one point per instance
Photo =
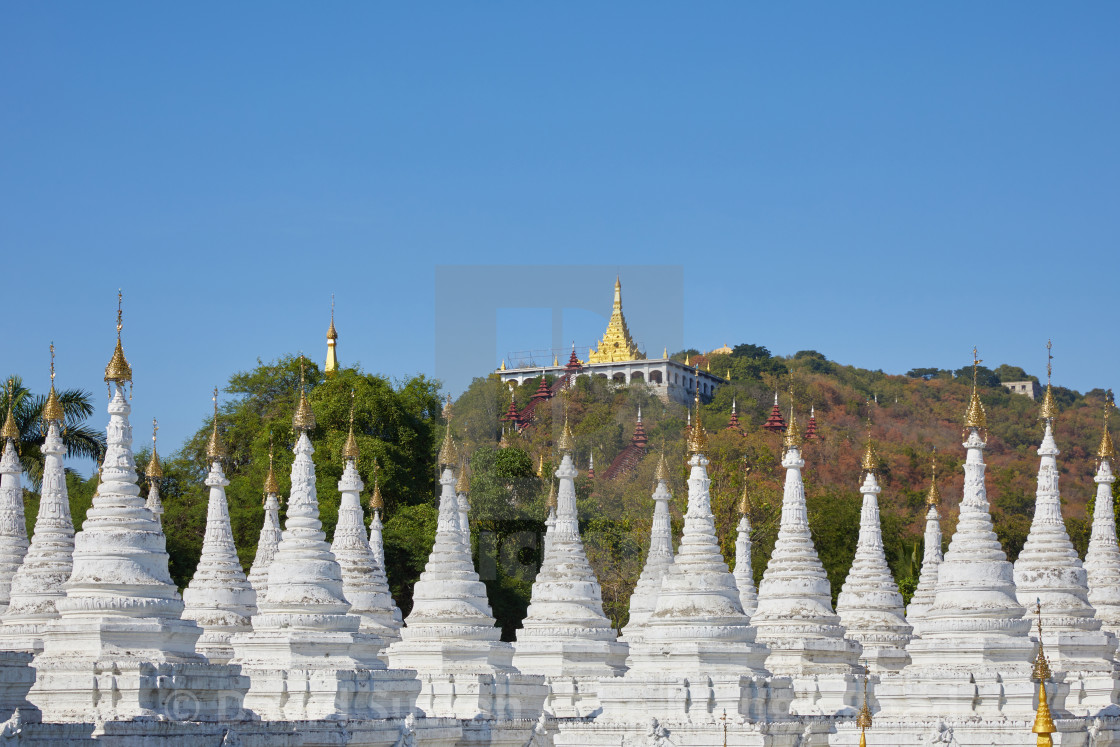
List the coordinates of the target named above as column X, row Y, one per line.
column 118, row 369
column 863, row 720
column 686, row 357
column 304, row 419
column 271, row 487
column 697, row 436
column 567, row 441
column 350, row 448
column 1048, row 410
column 1105, row 450
column 745, row 499
column 155, row 469
column 552, row 502
column 332, row 333
column 792, row 438
column 1043, row 722
column 933, row 498
column 503, row 366
column 975, row 417
column 662, row 473
column 665, row 354
column 463, row 484
column 10, row 432
column 52, row 408
column 376, row 502
column 540, row 466
column 1041, row 670
column 448, row 454
column 215, row 449
column 870, row 461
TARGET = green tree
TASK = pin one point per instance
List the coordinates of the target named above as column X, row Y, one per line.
column 80, row 440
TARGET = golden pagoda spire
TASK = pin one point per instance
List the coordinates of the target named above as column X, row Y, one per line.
column 745, row 499
column 540, row 466
column 1048, row 410
column 52, row 408
column 551, row 504
column 863, row 720
column 155, row 469
column 350, row 448
column 975, row 417
column 376, row 502
column 567, row 441
column 792, row 438
column 271, row 487
column 304, row 418
column 331, row 366
column 118, row 370
column 697, row 436
column 662, row 473
column 1105, row 450
column 448, row 454
column 10, row 431
column 463, row 484
column 215, row 449
column 870, row 461
column 1043, row 723
column 617, row 344
column 933, row 497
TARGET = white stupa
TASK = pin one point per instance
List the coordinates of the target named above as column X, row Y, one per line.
column 38, row 583
column 744, row 571
column 466, row 670
column 269, row 538
column 303, row 641
column 393, row 621
column 565, row 635
column 795, row 616
column 931, row 559
column 1102, row 560
column 154, row 473
column 1049, row 572
column 13, row 526
column 973, row 659
column 120, row 623
column 869, row 604
column 218, row 597
column 643, row 601
column 363, row 580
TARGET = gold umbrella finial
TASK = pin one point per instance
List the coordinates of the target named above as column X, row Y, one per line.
column 1043, row 725
column 304, row 418
column 350, row 448
column 792, row 438
column 52, row 408
column 870, row 461
column 975, row 417
column 155, row 469
column 662, row 474
column 697, row 436
column 1105, row 450
column 933, row 498
column 118, row 370
column 745, row 499
column 10, row 431
column 215, row 449
column 448, row 454
column 1049, row 409
column 271, row 486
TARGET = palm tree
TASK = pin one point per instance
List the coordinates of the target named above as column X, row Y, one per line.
column 27, row 408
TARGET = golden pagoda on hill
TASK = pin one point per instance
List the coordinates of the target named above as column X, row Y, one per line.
column 616, row 345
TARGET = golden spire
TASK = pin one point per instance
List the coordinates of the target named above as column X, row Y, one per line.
column 1105, row 450
column 863, row 720
column 52, row 409
column 350, row 448
column 792, row 438
column 215, row 449
column 662, row 473
column 540, row 466
column 870, row 461
column 552, row 502
column 503, row 366
column 933, row 498
column 1043, row 722
column 118, row 369
column 567, row 441
column 745, row 499
column 463, row 484
column 1049, row 409
column 975, row 417
column 304, row 419
column 697, row 436
column 617, row 344
column 10, row 432
column 331, row 366
column 271, row 487
column 155, row 469
column 448, row 454
column 665, row 354
column 376, row 502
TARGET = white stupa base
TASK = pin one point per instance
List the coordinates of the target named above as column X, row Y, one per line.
column 476, row 695
column 78, row 690
column 826, row 695
column 23, row 636
column 151, row 639
column 702, row 730
column 1083, row 694
column 951, row 691
column 636, row 698
column 452, row 654
column 503, row 733
column 1080, row 650
column 569, row 657
column 292, row 694
column 883, row 656
column 974, row 732
column 308, row 642
column 151, row 732
column 16, row 678
column 808, row 656
column 697, row 655
column 572, row 697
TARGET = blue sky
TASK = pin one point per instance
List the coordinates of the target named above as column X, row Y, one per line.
column 890, row 184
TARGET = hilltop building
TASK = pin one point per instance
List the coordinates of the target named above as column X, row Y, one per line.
column 1030, row 389
column 617, row 357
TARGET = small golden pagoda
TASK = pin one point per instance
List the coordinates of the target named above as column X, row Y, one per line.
column 330, row 368
column 616, row 345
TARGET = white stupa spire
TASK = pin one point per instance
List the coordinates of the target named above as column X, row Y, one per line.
column 154, row 473
column 565, row 633
column 744, row 572
column 869, row 604
column 13, row 526
column 1049, row 571
column 931, row 559
column 218, row 597
column 368, row 599
column 270, row 535
column 37, row 585
column 643, row 601
column 1102, row 561
column 379, row 578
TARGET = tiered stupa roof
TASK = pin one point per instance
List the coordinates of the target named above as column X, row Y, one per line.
column 811, row 426
column 733, row 422
column 617, row 344
column 629, row 458
column 775, row 423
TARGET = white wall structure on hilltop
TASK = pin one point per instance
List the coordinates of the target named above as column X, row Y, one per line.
column 565, row 635
column 869, row 603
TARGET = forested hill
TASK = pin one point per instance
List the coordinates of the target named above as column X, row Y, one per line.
column 399, row 429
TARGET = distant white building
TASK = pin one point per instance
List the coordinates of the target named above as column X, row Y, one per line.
column 1028, row 388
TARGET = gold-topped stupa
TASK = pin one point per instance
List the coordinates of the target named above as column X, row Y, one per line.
column 350, row 448
column 155, row 468
column 617, row 344
column 331, row 365
column 215, row 449
column 697, row 436
column 304, row 418
column 10, row 431
column 52, row 409
column 1105, row 449
column 975, row 417
column 118, row 369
